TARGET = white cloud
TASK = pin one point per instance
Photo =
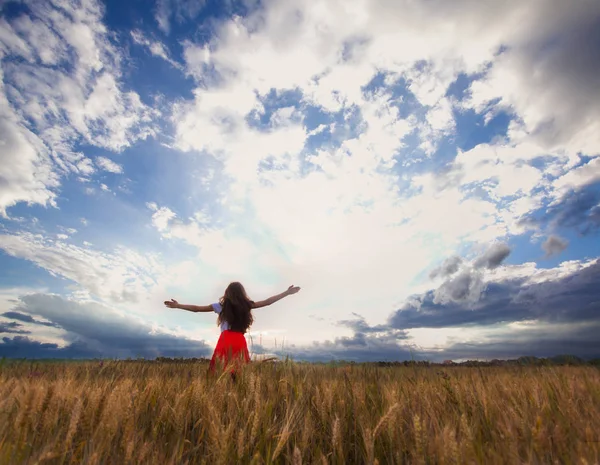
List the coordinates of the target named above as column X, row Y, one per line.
column 215, row 122
column 348, row 217
column 350, row 221
column 161, row 216
column 60, row 86
column 548, row 76
column 273, row 48
column 577, row 178
column 163, row 14
column 122, row 276
column 217, row 248
column 155, row 47
column 505, row 167
column 108, row 165
column 26, row 171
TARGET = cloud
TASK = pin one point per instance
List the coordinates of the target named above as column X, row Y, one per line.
column 578, row 178
column 180, row 10
column 359, row 347
column 12, row 327
column 122, row 276
column 501, row 170
column 238, row 67
column 305, row 46
column 580, row 210
column 107, row 164
column 27, row 319
column 26, row 171
column 328, row 140
column 493, row 257
column 554, row 295
column 508, row 343
column 447, row 268
column 359, row 325
column 547, row 73
column 554, row 245
column 524, row 311
column 220, row 249
column 465, row 287
column 25, row 347
column 60, row 88
column 536, row 340
column 94, row 330
column 155, row 47
column 369, row 186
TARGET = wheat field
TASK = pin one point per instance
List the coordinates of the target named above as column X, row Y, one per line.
column 122, row 412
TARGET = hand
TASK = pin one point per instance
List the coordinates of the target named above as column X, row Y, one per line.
column 292, row 289
column 171, row 303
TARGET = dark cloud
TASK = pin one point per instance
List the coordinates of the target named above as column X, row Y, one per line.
column 447, row 268
column 493, row 257
column 360, row 347
column 358, row 339
column 100, row 330
column 556, row 64
column 540, row 341
column 554, row 245
column 575, row 60
column 28, row 319
column 548, row 341
column 363, row 333
column 24, row 347
column 360, row 325
column 13, row 327
column 465, row 287
column 564, row 309
column 379, row 342
column 578, row 210
column 571, row 298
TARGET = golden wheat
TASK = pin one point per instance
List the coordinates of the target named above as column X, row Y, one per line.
column 120, row 412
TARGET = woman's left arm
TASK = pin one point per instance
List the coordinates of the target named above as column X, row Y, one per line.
column 271, row 300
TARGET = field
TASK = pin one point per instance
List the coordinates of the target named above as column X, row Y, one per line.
column 120, row 412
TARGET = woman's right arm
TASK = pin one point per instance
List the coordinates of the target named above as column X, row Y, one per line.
column 190, row 308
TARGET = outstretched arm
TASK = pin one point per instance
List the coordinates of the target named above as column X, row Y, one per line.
column 271, row 300
column 190, row 308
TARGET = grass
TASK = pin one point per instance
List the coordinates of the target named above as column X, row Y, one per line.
column 120, row 412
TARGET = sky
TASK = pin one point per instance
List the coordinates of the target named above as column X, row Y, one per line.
column 428, row 172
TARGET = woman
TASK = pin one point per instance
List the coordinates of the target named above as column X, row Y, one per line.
column 235, row 317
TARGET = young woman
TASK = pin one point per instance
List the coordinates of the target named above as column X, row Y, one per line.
column 235, row 317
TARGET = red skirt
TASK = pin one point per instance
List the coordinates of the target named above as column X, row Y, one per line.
column 231, row 351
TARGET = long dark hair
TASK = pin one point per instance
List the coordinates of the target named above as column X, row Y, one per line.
column 236, row 308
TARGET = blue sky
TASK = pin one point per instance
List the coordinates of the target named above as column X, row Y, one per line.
column 430, row 180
